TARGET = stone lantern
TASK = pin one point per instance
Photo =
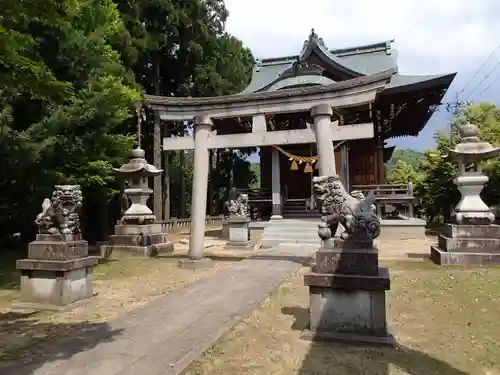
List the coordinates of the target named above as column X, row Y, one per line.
column 471, row 237
column 138, row 230
column 136, row 173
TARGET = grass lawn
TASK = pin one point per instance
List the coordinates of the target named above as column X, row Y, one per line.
column 446, row 322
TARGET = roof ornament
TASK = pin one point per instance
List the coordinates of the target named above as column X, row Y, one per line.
column 313, row 37
column 302, row 68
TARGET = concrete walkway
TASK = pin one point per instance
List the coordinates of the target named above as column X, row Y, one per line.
column 166, row 335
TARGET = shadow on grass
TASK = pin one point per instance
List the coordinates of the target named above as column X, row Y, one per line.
column 343, row 359
column 71, row 339
column 218, row 258
column 305, row 261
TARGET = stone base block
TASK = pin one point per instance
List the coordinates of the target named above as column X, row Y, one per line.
column 56, row 283
column 348, row 312
column 195, row 264
column 148, row 251
column 47, row 247
column 145, row 229
column 445, row 258
column 142, row 242
column 239, row 230
column 225, row 230
column 469, row 244
column 355, row 261
column 239, row 245
column 471, row 231
column 380, row 282
column 352, row 338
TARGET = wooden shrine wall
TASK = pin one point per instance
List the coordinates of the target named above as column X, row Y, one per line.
column 366, row 165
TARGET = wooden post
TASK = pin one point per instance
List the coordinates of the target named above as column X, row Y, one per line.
column 166, row 183
column 182, row 198
column 157, row 181
column 210, row 200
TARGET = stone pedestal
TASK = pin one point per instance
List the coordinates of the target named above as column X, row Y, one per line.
column 225, row 229
column 57, row 273
column 239, row 232
column 461, row 244
column 147, row 240
column 347, row 294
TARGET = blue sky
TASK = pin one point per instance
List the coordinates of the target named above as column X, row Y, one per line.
column 431, row 37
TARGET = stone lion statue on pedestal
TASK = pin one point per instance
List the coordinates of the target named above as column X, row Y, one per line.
column 238, row 206
column 61, row 213
column 336, row 206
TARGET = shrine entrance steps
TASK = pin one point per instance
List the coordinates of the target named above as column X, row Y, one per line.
column 291, row 231
column 297, row 208
column 167, row 334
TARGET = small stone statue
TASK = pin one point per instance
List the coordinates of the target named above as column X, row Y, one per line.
column 60, row 215
column 238, row 206
column 337, row 206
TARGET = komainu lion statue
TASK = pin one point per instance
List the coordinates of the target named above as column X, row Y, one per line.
column 238, row 206
column 336, row 206
column 61, row 214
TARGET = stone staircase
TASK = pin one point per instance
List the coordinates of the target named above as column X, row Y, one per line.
column 291, row 231
column 296, row 208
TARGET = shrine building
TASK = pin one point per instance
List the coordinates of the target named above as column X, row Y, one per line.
column 296, row 107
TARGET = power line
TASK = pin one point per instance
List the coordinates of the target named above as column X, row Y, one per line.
column 484, row 79
column 489, row 86
column 479, row 70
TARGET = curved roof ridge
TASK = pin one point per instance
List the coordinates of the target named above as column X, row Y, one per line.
column 316, row 44
column 378, row 46
column 363, row 48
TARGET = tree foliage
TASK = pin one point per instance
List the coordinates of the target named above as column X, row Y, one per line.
column 403, row 172
column 65, row 96
column 433, row 174
column 71, row 72
column 411, row 157
column 437, row 191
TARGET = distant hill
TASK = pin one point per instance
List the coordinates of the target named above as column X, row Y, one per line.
column 409, row 156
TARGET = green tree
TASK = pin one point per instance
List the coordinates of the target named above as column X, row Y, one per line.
column 64, row 101
column 411, row 157
column 402, row 173
column 181, row 48
column 437, row 191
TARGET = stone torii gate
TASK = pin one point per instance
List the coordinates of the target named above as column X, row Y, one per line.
column 317, row 100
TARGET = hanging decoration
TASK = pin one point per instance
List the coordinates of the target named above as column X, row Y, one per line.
column 297, row 160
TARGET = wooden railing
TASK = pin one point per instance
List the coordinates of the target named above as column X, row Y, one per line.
column 400, row 196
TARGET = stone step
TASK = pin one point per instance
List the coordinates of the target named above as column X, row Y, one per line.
column 268, row 243
column 287, row 234
column 294, row 222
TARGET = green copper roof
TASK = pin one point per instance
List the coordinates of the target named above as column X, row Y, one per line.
column 405, row 82
column 352, row 62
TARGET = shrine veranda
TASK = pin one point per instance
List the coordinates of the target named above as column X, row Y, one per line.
column 297, row 108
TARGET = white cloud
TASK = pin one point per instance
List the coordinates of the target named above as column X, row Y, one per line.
column 432, row 36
